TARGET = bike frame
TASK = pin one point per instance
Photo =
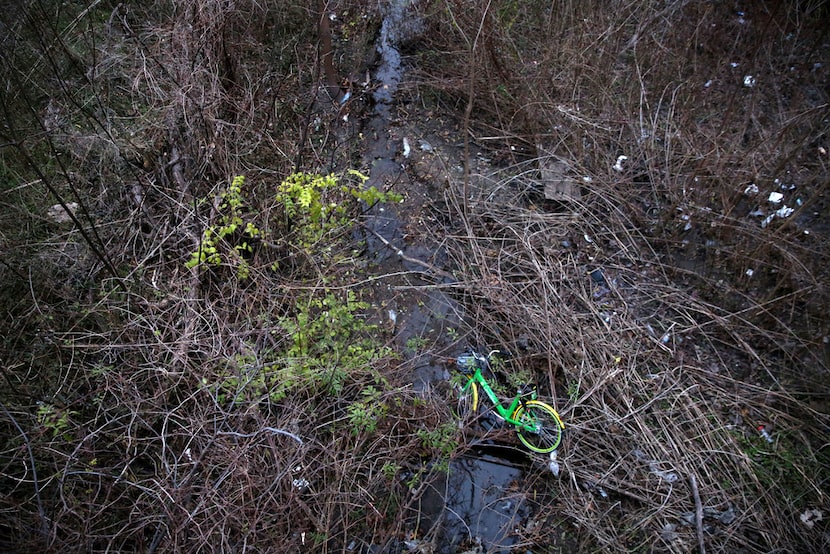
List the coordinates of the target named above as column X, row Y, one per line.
column 505, row 413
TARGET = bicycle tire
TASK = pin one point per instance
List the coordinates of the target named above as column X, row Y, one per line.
column 467, row 402
column 549, row 426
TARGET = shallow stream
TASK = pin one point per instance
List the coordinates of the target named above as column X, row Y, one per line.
column 480, row 498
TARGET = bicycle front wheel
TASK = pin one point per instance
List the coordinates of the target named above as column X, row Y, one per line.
column 467, row 402
column 539, row 427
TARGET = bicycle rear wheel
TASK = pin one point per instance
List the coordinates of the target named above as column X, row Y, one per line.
column 540, row 428
column 467, row 402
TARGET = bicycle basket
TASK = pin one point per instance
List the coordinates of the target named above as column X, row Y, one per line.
column 468, row 363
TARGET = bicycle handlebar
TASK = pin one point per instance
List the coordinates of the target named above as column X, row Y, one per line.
column 475, row 360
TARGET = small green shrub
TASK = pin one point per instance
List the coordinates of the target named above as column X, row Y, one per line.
column 316, row 206
column 365, row 414
column 54, row 420
column 225, row 233
column 328, row 343
column 441, row 439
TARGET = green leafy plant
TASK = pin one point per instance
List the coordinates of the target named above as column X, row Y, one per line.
column 390, row 470
column 573, row 390
column 365, row 414
column 328, row 342
column 441, row 439
column 416, row 344
column 224, row 232
column 54, row 419
column 316, row 206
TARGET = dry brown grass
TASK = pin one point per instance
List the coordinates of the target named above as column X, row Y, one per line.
column 675, row 367
column 162, row 105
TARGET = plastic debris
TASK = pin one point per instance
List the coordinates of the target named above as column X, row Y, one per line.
column 750, row 272
column 726, row 517
column 776, row 197
column 598, row 277
column 425, row 146
column 749, row 81
column 707, row 84
column 553, row 465
column 591, row 486
column 782, row 213
column 668, row 532
column 751, row 189
column 618, row 165
column 668, row 476
column 406, row 149
column 810, row 517
column 57, row 214
column 764, row 433
column 299, row 483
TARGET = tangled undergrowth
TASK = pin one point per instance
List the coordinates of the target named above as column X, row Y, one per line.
column 192, row 361
column 676, row 313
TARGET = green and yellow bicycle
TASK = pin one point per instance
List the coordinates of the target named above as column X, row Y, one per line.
column 538, row 425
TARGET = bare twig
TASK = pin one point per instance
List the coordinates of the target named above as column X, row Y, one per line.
column 44, row 522
column 698, row 513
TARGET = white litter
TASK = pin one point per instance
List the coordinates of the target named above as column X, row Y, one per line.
column 784, row 212
column 751, row 189
column 749, row 81
column 776, row 197
column 781, row 212
column 618, row 166
column 810, row 517
column 406, row 149
column 553, row 465
column 57, row 214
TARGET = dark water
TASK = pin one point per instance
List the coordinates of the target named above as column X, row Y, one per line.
column 479, row 500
